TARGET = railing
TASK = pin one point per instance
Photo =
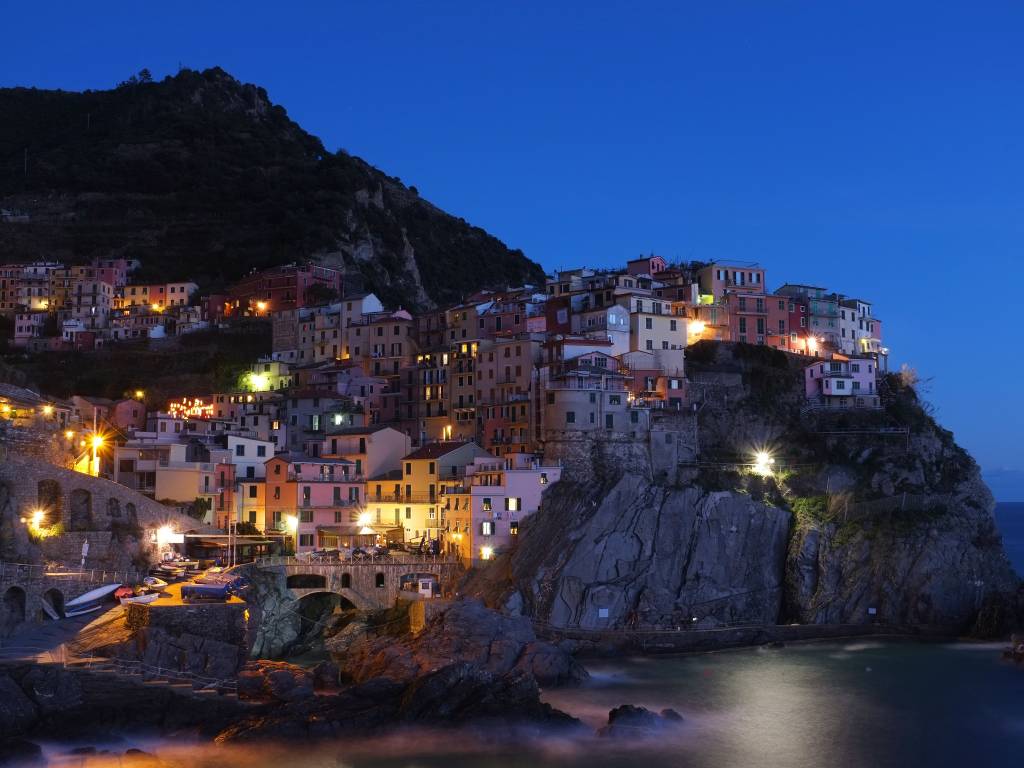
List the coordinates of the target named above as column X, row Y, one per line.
column 130, row 667
column 23, row 571
column 398, row 558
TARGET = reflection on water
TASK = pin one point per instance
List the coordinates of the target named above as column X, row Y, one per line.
column 838, row 704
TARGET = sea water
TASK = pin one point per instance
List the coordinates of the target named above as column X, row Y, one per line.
column 858, row 704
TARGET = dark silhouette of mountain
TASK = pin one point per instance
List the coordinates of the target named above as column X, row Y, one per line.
column 201, row 176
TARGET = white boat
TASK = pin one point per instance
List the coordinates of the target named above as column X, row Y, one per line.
column 92, row 596
column 147, row 597
column 72, row 612
column 154, row 583
column 90, row 601
column 49, row 610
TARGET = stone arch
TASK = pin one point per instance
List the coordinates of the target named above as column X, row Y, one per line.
column 131, row 514
column 346, row 580
column 113, row 508
column 80, row 512
column 54, row 598
column 50, row 497
column 380, row 580
column 337, row 599
column 307, row 581
column 12, row 610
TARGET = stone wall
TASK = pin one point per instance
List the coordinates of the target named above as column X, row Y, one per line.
column 85, row 503
column 601, row 454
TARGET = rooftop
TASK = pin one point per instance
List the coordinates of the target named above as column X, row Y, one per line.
column 436, row 450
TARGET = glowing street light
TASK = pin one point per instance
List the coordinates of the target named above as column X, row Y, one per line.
column 763, row 462
column 96, row 441
column 37, row 517
column 486, row 553
column 70, row 434
column 261, row 306
column 139, row 394
column 47, row 410
column 363, row 519
column 292, row 522
column 697, row 327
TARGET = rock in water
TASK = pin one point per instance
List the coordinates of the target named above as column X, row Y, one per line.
column 629, row 721
column 466, row 632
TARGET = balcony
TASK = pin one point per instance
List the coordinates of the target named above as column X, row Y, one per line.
column 197, row 465
column 391, row 498
column 585, row 385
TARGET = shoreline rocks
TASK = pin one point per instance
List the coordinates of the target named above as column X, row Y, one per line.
column 630, row 721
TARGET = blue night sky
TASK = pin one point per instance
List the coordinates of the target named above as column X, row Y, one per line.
column 872, row 149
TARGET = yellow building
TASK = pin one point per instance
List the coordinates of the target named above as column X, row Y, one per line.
column 428, row 474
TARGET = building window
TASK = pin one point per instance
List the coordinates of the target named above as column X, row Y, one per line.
column 252, row 491
column 239, row 450
column 487, row 504
column 261, row 450
column 513, row 504
column 305, row 539
column 306, row 516
column 570, row 417
column 487, row 528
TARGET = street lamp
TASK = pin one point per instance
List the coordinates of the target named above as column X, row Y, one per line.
column 96, row 442
column 763, row 462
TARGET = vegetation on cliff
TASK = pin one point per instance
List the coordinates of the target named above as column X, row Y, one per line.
column 201, row 176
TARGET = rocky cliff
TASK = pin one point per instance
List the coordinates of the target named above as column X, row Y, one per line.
column 203, row 177
column 868, row 517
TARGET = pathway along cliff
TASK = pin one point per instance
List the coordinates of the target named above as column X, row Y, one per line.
column 869, row 517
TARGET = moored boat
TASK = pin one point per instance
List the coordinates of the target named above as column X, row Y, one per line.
column 91, row 601
column 145, row 597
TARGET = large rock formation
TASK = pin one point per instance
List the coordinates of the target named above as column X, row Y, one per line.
column 869, row 517
column 645, row 555
column 465, row 633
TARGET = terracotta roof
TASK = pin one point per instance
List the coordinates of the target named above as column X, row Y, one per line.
column 436, row 450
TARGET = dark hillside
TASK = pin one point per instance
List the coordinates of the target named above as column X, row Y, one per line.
column 202, row 176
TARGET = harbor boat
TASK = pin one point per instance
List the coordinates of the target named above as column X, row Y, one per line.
column 50, row 611
column 91, row 601
column 145, row 597
column 154, row 583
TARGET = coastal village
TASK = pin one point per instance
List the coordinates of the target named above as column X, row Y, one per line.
column 371, row 427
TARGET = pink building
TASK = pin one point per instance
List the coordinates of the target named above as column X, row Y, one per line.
column 842, row 382
column 320, row 496
column 651, row 265
column 502, row 493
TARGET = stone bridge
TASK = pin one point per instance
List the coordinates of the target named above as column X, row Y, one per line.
column 26, row 591
column 367, row 585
